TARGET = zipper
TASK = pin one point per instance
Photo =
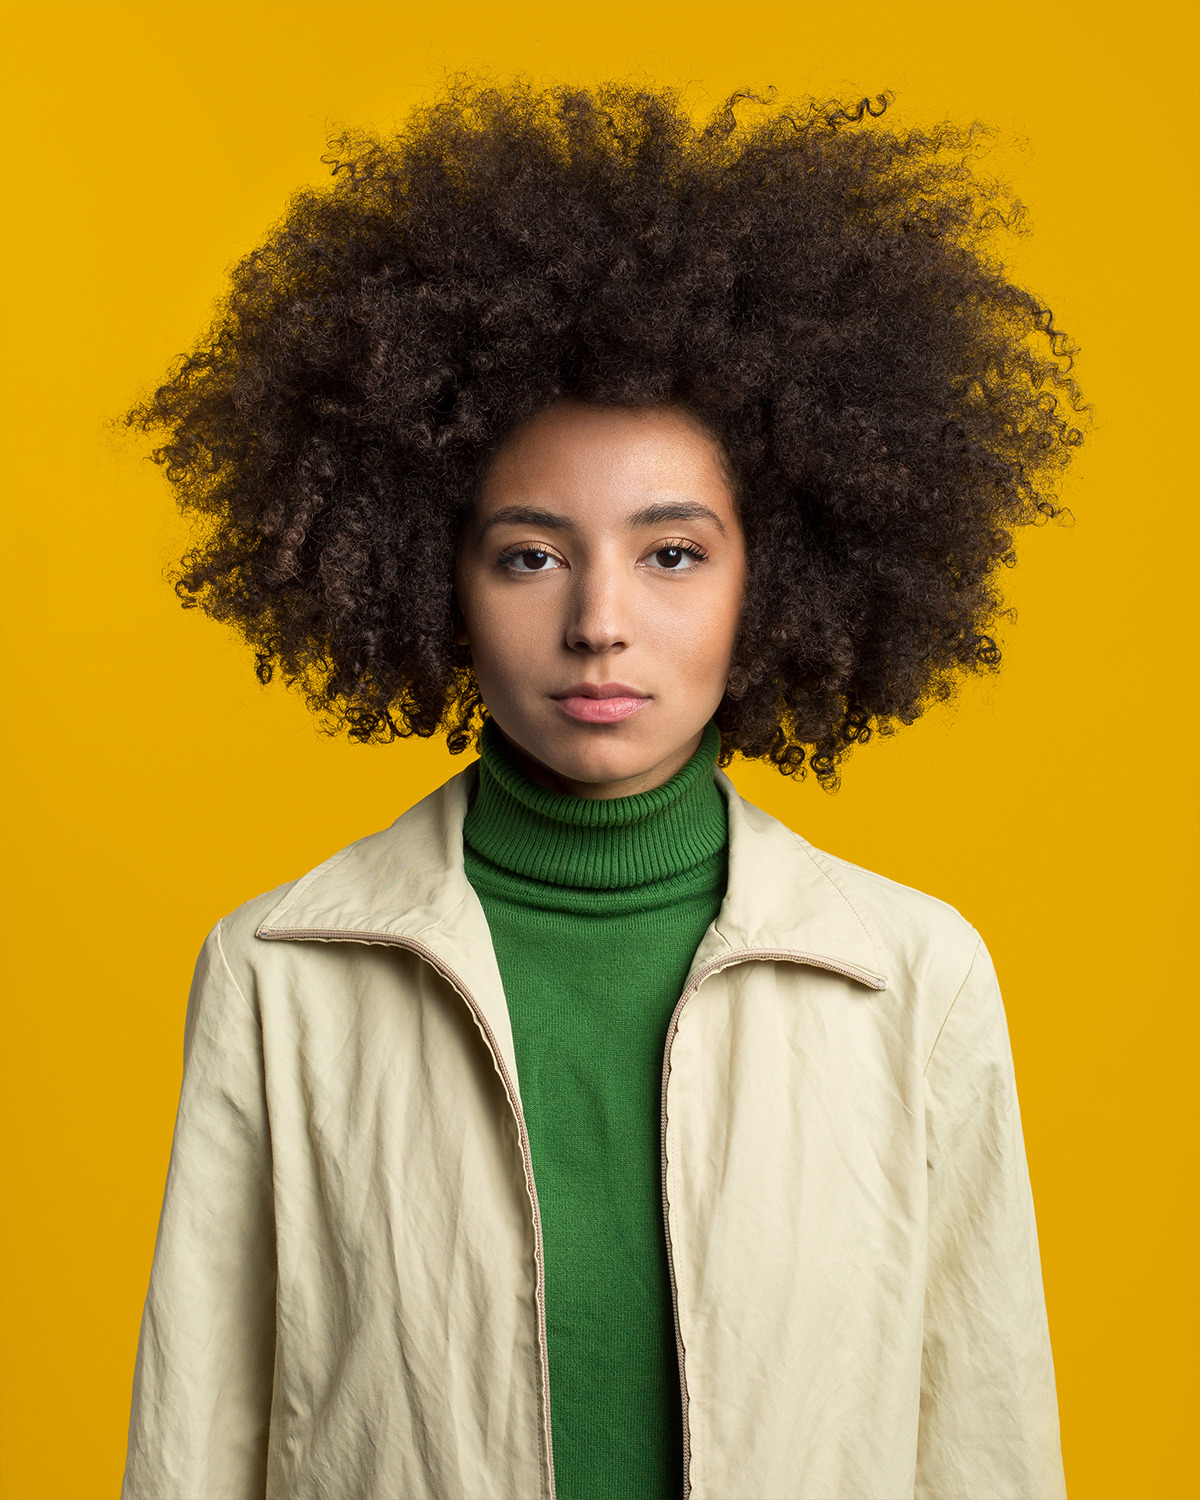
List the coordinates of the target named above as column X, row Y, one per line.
column 327, row 934
column 714, row 967
column 728, row 960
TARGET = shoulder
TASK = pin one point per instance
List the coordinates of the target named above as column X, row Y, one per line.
column 893, row 905
column 234, row 932
column 913, row 934
column 920, row 937
column 400, row 874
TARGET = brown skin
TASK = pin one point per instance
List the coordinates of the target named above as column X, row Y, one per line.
column 590, row 591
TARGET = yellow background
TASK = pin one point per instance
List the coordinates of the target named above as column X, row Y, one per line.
column 152, row 785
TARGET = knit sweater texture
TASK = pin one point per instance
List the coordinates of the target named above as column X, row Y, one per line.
column 596, row 908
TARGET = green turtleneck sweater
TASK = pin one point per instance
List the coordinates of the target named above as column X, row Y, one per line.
column 596, row 908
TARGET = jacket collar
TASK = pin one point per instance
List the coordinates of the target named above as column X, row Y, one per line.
column 407, row 885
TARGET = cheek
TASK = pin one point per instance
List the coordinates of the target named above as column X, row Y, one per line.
column 508, row 627
column 704, row 632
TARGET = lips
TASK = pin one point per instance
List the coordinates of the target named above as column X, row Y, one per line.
column 604, row 703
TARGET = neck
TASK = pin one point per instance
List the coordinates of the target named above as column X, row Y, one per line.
column 626, row 786
column 597, row 844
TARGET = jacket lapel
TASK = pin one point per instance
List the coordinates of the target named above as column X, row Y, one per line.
column 784, row 897
column 407, row 885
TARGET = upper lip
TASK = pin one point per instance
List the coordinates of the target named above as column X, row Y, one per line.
column 600, row 690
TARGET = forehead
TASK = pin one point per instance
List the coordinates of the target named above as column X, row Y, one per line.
column 587, row 455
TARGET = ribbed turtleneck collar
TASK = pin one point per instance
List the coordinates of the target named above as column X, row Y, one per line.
column 595, row 844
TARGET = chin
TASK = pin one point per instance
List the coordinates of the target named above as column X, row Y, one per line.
column 601, row 754
column 600, row 768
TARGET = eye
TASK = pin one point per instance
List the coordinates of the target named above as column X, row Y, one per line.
column 677, row 557
column 529, row 560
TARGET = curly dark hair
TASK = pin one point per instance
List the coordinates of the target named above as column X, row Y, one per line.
column 814, row 288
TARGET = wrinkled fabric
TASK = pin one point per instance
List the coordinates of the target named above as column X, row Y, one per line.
column 344, row 1300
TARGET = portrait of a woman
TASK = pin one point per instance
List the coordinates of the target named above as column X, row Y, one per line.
column 588, row 1132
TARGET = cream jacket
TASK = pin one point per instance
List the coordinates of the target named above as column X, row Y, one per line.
column 346, row 1294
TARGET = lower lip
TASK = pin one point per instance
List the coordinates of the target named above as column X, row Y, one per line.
column 601, row 710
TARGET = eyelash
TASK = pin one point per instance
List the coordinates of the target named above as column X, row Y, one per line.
column 523, row 549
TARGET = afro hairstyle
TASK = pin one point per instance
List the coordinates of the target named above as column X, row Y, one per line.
column 816, row 289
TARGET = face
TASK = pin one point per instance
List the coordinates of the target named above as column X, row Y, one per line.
column 600, row 584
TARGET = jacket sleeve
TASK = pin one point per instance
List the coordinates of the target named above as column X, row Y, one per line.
column 988, row 1426
column 203, row 1379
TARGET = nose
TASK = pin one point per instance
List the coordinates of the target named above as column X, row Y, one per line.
column 598, row 614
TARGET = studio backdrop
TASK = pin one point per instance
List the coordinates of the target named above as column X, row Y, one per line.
column 152, row 784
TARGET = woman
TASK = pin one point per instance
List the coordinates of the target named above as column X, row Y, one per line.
column 587, row 1131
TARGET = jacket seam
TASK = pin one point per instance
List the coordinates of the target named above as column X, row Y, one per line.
column 232, row 979
column 950, row 1011
column 886, row 881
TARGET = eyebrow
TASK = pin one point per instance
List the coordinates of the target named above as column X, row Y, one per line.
column 650, row 515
